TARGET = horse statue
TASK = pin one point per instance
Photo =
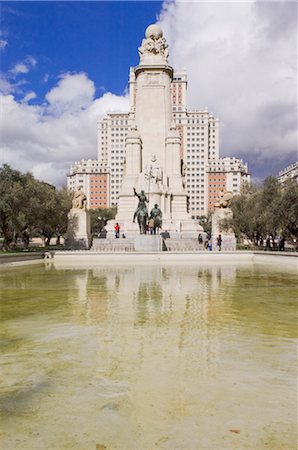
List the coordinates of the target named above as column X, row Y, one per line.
column 142, row 217
column 141, row 212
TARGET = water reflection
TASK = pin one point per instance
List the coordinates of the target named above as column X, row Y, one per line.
column 153, row 350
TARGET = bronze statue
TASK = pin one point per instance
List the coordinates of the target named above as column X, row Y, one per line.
column 141, row 212
column 156, row 215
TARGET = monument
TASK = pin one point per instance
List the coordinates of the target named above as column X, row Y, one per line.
column 153, row 147
column 78, row 236
column 222, row 212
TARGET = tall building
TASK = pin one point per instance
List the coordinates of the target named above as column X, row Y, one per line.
column 93, row 178
column 228, row 174
column 288, row 173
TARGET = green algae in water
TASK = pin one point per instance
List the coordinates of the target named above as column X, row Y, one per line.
column 169, row 357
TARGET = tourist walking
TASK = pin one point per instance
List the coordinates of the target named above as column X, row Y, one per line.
column 219, row 242
column 117, row 230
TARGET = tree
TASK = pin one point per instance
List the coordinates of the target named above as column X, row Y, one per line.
column 287, row 210
column 99, row 218
column 29, row 207
column 270, row 209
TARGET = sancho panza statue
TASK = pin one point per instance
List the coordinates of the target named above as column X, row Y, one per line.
column 156, row 215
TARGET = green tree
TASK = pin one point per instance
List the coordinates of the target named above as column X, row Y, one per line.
column 269, row 209
column 29, row 207
column 287, row 210
column 99, row 218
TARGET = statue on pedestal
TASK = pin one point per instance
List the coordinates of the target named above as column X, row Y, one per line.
column 141, row 212
column 223, row 199
column 79, row 228
column 79, row 200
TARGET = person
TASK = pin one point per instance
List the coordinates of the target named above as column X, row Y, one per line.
column 142, row 203
column 206, row 243
column 268, row 243
column 151, row 225
column 165, row 234
column 219, row 242
column 117, row 230
column 281, row 245
column 200, row 239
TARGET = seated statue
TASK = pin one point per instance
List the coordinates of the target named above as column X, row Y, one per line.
column 142, row 203
column 79, row 200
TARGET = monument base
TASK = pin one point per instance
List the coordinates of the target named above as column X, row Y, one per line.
column 176, row 228
column 148, row 243
column 227, row 236
column 78, row 236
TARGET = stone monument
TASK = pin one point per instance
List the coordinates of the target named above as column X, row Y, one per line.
column 221, row 212
column 153, row 146
column 78, row 236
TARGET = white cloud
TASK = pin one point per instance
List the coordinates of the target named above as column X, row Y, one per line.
column 241, row 62
column 25, row 66
column 29, row 96
column 73, row 92
column 46, row 139
column 3, row 44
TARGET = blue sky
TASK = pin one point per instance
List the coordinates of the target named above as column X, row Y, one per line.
column 65, row 64
column 91, row 37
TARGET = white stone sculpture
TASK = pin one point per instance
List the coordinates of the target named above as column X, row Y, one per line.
column 153, row 171
column 79, row 200
column 223, row 198
column 154, row 44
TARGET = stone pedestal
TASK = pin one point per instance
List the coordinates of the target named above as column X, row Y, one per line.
column 148, row 243
column 78, row 235
column 227, row 236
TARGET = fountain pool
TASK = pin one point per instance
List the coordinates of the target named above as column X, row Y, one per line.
column 140, row 357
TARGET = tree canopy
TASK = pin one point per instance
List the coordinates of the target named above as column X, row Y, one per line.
column 270, row 209
column 29, row 207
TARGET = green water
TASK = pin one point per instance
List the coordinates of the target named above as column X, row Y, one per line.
column 148, row 357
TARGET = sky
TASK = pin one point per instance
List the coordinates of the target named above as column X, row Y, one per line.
column 64, row 65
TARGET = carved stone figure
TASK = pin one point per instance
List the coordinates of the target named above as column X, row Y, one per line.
column 154, row 43
column 153, row 170
column 79, row 200
column 223, row 199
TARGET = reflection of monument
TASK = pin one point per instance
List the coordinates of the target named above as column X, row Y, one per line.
column 78, row 228
column 222, row 212
column 153, row 145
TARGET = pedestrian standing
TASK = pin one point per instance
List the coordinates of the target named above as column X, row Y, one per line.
column 219, row 242
column 117, row 230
